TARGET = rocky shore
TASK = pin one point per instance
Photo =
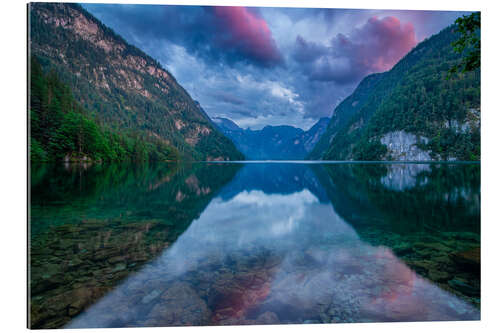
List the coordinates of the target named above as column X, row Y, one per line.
column 72, row 266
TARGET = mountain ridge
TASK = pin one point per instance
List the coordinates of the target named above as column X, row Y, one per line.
column 121, row 85
column 282, row 142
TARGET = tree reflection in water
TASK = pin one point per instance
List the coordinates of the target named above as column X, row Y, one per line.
column 265, row 243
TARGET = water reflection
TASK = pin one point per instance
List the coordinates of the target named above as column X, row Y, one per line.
column 90, row 229
column 433, row 226
column 401, row 177
column 280, row 243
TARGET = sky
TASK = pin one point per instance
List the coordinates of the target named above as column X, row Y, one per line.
column 263, row 66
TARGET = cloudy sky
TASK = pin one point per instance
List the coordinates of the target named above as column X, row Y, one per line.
column 271, row 66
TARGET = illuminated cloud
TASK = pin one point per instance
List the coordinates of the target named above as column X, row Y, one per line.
column 375, row 47
column 243, row 32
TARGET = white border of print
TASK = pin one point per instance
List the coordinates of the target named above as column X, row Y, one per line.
column 13, row 166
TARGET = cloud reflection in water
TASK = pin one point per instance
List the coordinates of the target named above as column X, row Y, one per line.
column 272, row 258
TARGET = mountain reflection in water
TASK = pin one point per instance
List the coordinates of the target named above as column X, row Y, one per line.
column 300, row 243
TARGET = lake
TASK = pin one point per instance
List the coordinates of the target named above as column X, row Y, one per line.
column 253, row 243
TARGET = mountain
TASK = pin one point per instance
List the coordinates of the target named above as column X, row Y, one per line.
column 61, row 129
column 415, row 111
column 273, row 142
column 120, row 85
column 310, row 137
column 344, row 112
column 226, row 124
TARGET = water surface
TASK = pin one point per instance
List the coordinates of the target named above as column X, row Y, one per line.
column 254, row 243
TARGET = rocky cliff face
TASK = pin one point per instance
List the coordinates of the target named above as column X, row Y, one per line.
column 403, row 146
column 124, row 86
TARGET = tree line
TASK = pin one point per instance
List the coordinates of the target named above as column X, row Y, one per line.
column 61, row 129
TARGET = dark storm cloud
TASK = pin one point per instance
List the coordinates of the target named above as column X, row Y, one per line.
column 307, row 52
column 229, row 34
column 242, row 112
column 227, row 97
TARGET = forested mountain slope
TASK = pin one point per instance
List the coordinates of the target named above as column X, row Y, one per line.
column 61, row 129
column 121, row 86
column 345, row 111
column 415, row 111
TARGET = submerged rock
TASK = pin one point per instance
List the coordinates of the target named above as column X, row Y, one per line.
column 267, row 318
column 439, row 275
column 470, row 258
column 179, row 305
column 87, row 259
column 464, row 287
column 151, row 296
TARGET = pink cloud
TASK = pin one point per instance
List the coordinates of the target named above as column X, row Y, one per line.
column 374, row 47
column 387, row 42
column 245, row 32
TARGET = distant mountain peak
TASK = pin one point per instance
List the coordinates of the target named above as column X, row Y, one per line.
column 272, row 142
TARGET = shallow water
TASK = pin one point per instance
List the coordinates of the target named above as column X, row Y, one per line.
column 254, row 243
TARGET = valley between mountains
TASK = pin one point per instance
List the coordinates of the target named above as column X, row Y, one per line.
column 95, row 97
